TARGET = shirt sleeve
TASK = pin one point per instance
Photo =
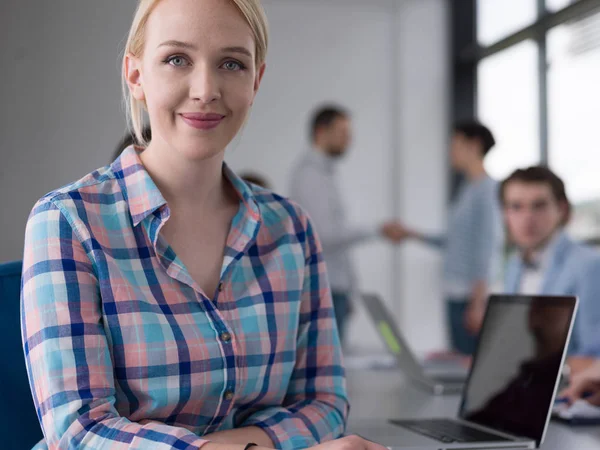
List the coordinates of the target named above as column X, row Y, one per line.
column 438, row 241
column 316, row 407
column 588, row 316
column 310, row 190
column 487, row 238
column 66, row 349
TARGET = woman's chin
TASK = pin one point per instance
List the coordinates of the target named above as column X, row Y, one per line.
column 200, row 149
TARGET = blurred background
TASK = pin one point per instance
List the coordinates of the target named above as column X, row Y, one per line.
column 405, row 69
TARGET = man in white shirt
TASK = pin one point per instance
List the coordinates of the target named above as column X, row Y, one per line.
column 314, row 186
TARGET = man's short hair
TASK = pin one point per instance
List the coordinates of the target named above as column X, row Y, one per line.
column 539, row 175
column 325, row 116
column 475, row 130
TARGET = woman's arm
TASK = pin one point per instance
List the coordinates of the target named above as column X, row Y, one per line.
column 66, row 349
column 315, row 408
column 241, row 436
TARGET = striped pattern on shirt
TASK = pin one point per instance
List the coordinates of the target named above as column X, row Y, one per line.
column 123, row 350
column 474, row 241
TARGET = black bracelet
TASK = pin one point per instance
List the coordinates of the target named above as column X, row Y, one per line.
column 249, row 445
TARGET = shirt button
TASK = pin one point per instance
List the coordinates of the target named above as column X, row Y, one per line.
column 221, row 286
column 229, row 395
column 225, row 337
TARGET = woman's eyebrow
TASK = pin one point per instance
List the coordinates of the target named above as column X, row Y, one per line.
column 186, row 45
column 242, row 50
column 180, row 44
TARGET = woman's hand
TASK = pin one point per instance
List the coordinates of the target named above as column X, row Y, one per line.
column 349, row 443
column 345, row 443
column 241, row 436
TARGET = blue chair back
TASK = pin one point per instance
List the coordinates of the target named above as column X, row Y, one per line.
column 19, row 425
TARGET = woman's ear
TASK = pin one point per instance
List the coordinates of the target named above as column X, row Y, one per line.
column 133, row 76
column 259, row 76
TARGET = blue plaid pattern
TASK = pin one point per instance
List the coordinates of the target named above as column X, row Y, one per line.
column 124, row 351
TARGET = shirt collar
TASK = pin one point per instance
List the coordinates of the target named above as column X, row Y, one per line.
column 144, row 198
column 322, row 160
column 245, row 193
column 139, row 190
column 541, row 258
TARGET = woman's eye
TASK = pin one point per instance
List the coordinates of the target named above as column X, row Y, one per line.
column 177, row 61
column 232, row 65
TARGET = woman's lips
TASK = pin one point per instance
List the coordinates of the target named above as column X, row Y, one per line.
column 202, row 121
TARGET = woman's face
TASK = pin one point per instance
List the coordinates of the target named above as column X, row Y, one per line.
column 197, row 75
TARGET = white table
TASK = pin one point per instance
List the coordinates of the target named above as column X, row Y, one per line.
column 387, row 394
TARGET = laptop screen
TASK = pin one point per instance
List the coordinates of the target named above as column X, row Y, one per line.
column 519, row 358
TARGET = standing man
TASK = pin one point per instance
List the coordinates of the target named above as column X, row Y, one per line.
column 547, row 261
column 314, row 186
column 473, row 243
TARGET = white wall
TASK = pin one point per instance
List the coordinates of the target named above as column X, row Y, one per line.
column 423, row 132
column 385, row 60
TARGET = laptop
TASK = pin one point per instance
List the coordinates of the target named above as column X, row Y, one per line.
column 511, row 386
column 437, row 376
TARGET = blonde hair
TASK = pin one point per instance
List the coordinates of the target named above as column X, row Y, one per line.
column 252, row 11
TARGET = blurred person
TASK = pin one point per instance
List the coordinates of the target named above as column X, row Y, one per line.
column 255, row 178
column 165, row 303
column 314, row 185
column 546, row 260
column 130, row 139
column 584, row 384
column 472, row 247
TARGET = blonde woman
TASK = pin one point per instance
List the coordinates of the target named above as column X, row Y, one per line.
column 166, row 304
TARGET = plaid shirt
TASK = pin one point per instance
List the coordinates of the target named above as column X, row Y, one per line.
column 123, row 350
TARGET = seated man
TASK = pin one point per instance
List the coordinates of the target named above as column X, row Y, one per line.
column 547, row 261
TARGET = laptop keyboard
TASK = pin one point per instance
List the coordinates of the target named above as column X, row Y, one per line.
column 447, row 431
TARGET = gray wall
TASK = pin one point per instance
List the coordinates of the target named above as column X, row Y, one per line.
column 60, row 114
column 61, row 117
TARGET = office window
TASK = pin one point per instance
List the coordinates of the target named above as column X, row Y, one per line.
column 507, row 102
column 574, row 106
column 497, row 19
